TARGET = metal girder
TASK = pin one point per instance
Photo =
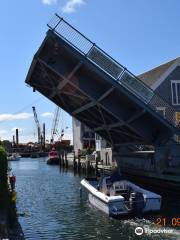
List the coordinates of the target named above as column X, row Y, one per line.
column 93, row 103
column 65, row 104
column 106, row 94
column 125, row 133
column 91, row 121
column 47, row 75
column 62, row 84
column 136, row 116
column 107, row 130
column 110, row 126
column 45, row 72
column 83, row 108
column 73, row 95
column 93, row 100
column 114, row 125
column 65, row 81
column 44, row 87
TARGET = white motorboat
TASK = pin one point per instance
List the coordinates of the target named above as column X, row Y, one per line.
column 120, row 197
column 14, row 157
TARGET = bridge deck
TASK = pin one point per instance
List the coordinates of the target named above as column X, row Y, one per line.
column 82, row 79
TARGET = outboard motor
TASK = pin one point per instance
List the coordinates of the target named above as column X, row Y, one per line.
column 136, row 202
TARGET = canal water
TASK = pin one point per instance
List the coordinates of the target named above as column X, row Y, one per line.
column 50, row 207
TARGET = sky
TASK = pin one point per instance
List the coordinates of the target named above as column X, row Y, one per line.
column 140, row 34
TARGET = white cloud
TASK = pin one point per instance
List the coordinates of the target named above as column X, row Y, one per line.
column 47, row 114
column 49, row 2
column 11, row 117
column 3, row 132
column 71, row 5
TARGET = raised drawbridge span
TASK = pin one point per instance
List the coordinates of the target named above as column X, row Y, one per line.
column 91, row 86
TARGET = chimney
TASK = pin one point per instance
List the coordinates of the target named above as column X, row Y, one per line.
column 17, row 136
column 13, row 139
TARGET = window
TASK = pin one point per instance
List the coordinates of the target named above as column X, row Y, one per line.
column 97, row 137
column 177, row 121
column 177, row 117
column 175, row 92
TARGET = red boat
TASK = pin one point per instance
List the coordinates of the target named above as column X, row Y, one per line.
column 53, row 157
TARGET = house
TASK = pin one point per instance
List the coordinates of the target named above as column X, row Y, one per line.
column 83, row 137
column 165, row 81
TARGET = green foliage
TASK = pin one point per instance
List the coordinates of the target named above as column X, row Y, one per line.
column 3, row 179
column 7, row 206
column 12, row 213
column 3, row 154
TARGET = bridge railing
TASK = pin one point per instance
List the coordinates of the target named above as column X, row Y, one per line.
column 111, row 67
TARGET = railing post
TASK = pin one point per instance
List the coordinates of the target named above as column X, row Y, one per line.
column 60, row 19
column 121, row 75
column 93, row 45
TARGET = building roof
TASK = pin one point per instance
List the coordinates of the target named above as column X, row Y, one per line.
column 150, row 77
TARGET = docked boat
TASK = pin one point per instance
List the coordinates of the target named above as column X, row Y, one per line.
column 14, row 157
column 53, row 157
column 120, row 197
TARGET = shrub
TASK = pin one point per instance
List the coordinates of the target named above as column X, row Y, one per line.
column 7, row 206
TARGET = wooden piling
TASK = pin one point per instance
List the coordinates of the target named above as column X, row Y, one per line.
column 79, row 164
column 60, row 159
column 66, row 161
column 96, row 166
column 74, row 162
column 63, row 162
column 88, row 167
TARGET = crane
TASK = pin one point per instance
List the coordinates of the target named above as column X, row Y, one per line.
column 55, row 124
column 37, row 125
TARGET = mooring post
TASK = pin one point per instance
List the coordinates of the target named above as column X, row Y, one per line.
column 74, row 161
column 79, row 163
column 59, row 158
column 89, row 167
column 63, row 159
column 96, row 166
column 66, row 161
